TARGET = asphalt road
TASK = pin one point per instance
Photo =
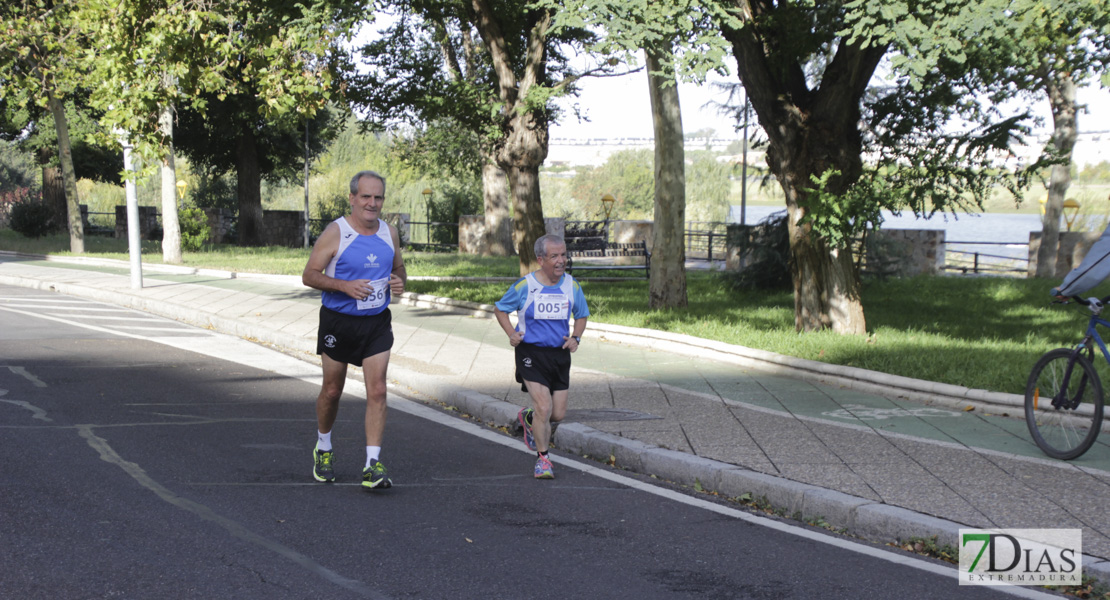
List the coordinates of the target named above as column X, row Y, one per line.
column 147, row 459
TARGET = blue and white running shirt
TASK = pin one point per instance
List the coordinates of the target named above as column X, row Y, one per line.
column 544, row 312
column 361, row 257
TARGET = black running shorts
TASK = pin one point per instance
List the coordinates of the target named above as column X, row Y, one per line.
column 547, row 366
column 352, row 339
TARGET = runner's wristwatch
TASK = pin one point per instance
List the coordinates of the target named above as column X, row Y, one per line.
column 577, row 339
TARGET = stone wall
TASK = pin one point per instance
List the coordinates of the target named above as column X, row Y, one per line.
column 400, row 222
column 904, row 252
column 280, row 227
column 472, row 229
column 890, row 252
column 221, row 225
column 1074, row 245
column 630, row 232
column 734, row 260
column 149, row 228
column 283, row 228
column 633, row 232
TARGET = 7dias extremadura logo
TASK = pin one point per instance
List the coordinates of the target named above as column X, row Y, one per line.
column 1021, row 556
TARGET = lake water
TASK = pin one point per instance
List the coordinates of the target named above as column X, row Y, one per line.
column 983, row 227
column 1010, row 229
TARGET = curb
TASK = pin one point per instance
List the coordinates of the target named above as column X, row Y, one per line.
column 873, row 382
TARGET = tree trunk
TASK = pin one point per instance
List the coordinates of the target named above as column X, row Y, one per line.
column 826, row 282
column 1061, row 96
column 53, row 189
column 521, row 156
column 249, row 190
column 171, row 229
column 524, row 151
column 528, row 225
column 498, row 237
column 69, row 177
column 667, row 288
column 525, row 127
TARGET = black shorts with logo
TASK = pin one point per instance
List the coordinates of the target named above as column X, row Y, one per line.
column 543, row 365
column 352, row 339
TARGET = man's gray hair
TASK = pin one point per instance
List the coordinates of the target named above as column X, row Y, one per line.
column 540, row 248
column 360, row 175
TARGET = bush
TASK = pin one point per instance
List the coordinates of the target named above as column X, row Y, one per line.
column 214, row 191
column 327, row 210
column 453, row 200
column 32, row 217
column 766, row 249
column 194, row 228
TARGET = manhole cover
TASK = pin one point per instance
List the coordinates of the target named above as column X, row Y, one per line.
column 581, row 415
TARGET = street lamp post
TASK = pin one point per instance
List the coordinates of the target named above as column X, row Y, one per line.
column 134, row 240
column 1071, row 210
column 428, row 214
column 607, row 203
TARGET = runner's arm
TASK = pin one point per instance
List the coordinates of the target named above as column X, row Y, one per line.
column 579, row 327
column 322, row 253
column 507, row 326
column 398, row 276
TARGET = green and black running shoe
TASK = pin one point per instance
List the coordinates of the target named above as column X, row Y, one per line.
column 322, row 469
column 375, row 476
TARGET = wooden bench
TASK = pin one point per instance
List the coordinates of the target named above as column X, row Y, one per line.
column 609, row 251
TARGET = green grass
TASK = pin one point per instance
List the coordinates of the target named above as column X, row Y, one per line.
column 979, row 332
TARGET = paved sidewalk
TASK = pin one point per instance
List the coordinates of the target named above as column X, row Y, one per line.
column 813, row 439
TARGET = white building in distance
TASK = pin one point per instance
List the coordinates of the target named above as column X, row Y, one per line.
column 1091, row 148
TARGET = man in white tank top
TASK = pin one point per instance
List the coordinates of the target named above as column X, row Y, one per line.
column 357, row 265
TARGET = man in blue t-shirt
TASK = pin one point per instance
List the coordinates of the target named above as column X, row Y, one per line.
column 357, row 266
column 544, row 300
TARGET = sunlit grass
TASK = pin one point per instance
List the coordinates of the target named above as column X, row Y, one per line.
column 982, row 333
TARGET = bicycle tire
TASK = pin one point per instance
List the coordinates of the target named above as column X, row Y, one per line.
column 1066, row 432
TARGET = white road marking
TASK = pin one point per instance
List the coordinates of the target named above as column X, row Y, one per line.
column 22, row 371
column 36, row 412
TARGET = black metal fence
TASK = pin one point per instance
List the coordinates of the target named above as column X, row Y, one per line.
column 437, row 236
column 101, row 223
column 966, row 257
column 586, row 235
column 706, row 240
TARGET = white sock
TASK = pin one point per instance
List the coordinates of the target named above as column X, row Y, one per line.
column 372, row 453
column 323, row 441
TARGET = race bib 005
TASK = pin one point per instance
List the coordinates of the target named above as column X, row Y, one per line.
column 551, row 307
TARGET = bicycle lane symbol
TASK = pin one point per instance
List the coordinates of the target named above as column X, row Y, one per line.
column 862, row 412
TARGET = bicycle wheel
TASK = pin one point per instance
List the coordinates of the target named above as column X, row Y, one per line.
column 1069, row 429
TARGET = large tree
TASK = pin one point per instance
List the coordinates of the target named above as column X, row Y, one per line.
column 1060, row 46
column 33, row 131
column 249, row 64
column 808, row 71
column 489, row 67
column 677, row 41
column 40, row 46
column 427, row 73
